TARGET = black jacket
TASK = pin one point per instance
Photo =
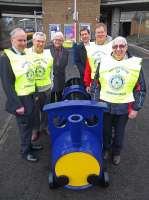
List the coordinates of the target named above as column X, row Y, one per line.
column 59, row 69
column 13, row 101
column 80, row 57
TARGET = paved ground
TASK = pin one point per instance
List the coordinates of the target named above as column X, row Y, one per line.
column 20, row 180
column 4, row 116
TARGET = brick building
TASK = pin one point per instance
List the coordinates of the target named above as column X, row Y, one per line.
column 61, row 14
column 123, row 17
column 140, row 23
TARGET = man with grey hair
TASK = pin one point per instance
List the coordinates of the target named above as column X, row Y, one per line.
column 122, row 45
column 119, row 39
column 39, row 34
column 43, row 63
column 60, row 55
column 123, row 88
column 58, row 34
column 17, row 75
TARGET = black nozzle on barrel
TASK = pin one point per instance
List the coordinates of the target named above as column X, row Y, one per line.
column 74, row 90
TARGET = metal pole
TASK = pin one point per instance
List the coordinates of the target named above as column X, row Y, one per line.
column 75, row 18
column 75, row 7
column 35, row 20
column 24, row 25
column 75, row 13
column 139, row 28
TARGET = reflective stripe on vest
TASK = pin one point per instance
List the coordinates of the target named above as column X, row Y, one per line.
column 24, row 73
column 43, row 64
column 118, row 79
column 94, row 53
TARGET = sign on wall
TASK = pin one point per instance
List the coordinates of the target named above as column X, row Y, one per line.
column 85, row 25
column 53, row 28
column 70, row 31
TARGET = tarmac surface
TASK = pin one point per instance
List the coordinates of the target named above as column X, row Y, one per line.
column 20, row 180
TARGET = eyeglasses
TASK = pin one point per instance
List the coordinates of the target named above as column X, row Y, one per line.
column 59, row 40
column 121, row 46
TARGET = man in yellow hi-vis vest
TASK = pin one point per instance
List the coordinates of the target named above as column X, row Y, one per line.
column 122, row 86
column 102, row 46
column 42, row 61
column 18, row 81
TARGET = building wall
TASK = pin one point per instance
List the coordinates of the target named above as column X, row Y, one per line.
column 142, row 28
column 61, row 12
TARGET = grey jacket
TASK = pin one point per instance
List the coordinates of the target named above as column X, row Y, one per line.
column 59, row 69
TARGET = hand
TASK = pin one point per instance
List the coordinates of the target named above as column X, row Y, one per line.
column 88, row 89
column 20, row 111
column 133, row 114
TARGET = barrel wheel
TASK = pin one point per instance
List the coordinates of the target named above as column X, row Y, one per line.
column 62, row 180
column 93, row 179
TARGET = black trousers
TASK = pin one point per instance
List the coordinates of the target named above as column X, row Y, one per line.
column 119, row 123
column 40, row 120
column 25, row 124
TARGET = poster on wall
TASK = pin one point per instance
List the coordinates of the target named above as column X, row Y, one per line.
column 70, row 31
column 85, row 25
column 53, row 28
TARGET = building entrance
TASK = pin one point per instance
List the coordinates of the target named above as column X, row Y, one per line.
column 125, row 28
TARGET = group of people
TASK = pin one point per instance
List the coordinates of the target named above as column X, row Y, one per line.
column 36, row 76
column 110, row 74
column 32, row 77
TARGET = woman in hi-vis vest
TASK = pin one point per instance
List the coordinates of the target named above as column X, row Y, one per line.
column 122, row 86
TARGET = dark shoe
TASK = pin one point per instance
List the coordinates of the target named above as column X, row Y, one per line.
column 35, row 136
column 116, row 159
column 36, row 147
column 30, row 157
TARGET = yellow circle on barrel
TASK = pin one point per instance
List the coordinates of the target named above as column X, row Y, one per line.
column 77, row 166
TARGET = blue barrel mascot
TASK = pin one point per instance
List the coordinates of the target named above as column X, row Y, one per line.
column 75, row 131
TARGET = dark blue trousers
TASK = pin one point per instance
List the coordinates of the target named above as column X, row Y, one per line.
column 25, row 124
column 119, row 123
column 40, row 121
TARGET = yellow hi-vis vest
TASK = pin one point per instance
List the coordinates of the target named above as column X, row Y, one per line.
column 118, row 79
column 43, row 63
column 24, row 73
column 94, row 53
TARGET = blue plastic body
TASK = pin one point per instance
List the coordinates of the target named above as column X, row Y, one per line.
column 76, row 126
column 73, row 89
